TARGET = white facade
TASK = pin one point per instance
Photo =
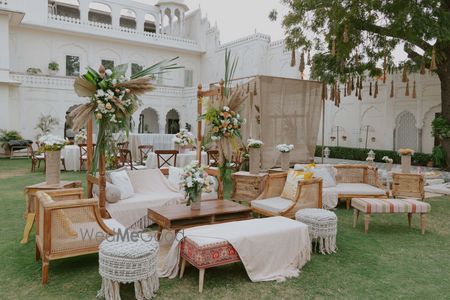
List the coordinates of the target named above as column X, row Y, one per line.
column 34, row 33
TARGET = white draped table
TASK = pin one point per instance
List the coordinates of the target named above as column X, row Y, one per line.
column 158, row 141
column 71, row 154
column 183, row 159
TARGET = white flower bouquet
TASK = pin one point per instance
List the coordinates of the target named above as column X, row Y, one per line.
column 194, row 181
column 184, row 138
column 285, row 148
column 387, row 159
column 51, row 142
column 252, row 143
column 81, row 136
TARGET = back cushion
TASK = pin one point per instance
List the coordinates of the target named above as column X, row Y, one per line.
column 327, row 179
column 123, row 183
column 290, row 187
column 175, row 176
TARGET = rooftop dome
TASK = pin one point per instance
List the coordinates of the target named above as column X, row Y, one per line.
column 173, row 2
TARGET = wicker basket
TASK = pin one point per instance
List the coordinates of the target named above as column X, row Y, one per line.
column 255, row 160
column 285, row 161
column 52, row 167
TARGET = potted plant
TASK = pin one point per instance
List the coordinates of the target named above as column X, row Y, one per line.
column 46, row 123
column 438, row 156
column 34, row 71
column 254, row 148
column 52, row 145
column 285, row 149
column 53, row 68
column 194, row 181
column 406, row 159
column 7, row 136
column 184, row 140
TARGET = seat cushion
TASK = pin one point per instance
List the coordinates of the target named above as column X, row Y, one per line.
column 274, row 205
column 123, row 183
column 357, row 189
column 372, row 205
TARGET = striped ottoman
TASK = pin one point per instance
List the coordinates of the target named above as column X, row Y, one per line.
column 370, row 206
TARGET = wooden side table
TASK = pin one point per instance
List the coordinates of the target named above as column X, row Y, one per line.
column 30, row 198
column 246, row 186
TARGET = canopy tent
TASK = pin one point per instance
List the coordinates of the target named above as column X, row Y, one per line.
column 280, row 111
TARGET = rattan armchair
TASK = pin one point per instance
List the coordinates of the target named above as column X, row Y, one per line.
column 68, row 226
column 269, row 203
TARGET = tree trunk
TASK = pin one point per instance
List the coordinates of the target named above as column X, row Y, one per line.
column 444, row 76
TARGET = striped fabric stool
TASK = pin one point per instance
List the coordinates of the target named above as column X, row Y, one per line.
column 370, row 206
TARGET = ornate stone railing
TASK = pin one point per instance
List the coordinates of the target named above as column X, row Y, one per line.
column 122, row 32
column 66, row 83
column 256, row 36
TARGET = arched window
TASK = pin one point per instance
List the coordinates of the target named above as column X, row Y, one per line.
column 99, row 12
column 67, row 8
column 128, row 18
column 172, row 122
column 149, row 121
column 406, row 131
column 166, row 21
column 150, row 24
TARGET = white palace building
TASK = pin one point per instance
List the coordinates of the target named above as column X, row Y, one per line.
column 80, row 33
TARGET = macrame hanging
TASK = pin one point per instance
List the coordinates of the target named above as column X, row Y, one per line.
column 293, row 62
column 433, row 66
column 375, row 93
column 333, row 46
column 405, row 74
column 407, row 89
column 385, row 66
column 392, row 89
column 414, row 94
column 309, row 58
column 302, row 65
column 422, row 68
column 345, row 35
column 370, row 88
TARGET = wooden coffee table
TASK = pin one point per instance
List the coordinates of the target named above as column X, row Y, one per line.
column 176, row 217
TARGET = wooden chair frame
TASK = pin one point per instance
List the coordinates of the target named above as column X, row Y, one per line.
column 44, row 249
column 166, row 161
column 212, row 155
column 274, row 187
column 144, row 151
column 125, row 158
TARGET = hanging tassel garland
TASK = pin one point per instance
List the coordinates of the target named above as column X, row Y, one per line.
column 414, row 95
column 293, row 62
column 433, row 66
column 324, row 91
column 385, row 69
column 405, row 74
column 357, row 59
column 345, row 89
column 375, row 94
column 422, row 68
column 302, row 65
column 356, row 92
column 360, row 94
column 370, row 88
column 407, row 89
column 360, row 83
column 392, row 89
column 345, row 36
column 353, row 84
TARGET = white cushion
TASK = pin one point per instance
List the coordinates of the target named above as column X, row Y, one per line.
column 330, row 198
column 438, row 189
column 209, row 196
column 327, row 179
column 175, row 176
column 356, row 189
column 122, row 181
column 274, row 205
column 113, row 193
column 114, row 225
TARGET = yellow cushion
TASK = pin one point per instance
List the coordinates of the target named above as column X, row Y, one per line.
column 308, row 175
column 61, row 224
column 290, row 187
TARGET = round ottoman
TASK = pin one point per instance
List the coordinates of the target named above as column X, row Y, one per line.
column 126, row 262
column 322, row 227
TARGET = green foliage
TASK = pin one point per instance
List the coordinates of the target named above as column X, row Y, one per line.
column 8, row 135
column 54, row 66
column 441, row 127
column 46, row 123
column 438, row 156
column 34, row 71
column 419, row 159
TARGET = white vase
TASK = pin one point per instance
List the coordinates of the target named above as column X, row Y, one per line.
column 255, row 160
column 196, row 202
column 52, row 167
column 284, row 161
column 406, row 163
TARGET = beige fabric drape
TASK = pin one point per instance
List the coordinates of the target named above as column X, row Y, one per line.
column 289, row 113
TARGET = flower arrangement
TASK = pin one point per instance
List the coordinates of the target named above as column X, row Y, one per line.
column 406, row 151
column 285, row 148
column 81, row 136
column 256, row 144
column 225, row 123
column 113, row 98
column 51, row 142
column 387, row 159
column 184, row 138
column 194, row 181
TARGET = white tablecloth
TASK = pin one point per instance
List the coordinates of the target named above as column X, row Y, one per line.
column 71, row 154
column 183, row 159
column 158, row 141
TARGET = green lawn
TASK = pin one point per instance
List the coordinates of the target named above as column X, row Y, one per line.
column 391, row 262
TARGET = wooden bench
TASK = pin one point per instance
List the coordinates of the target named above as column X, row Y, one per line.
column 370, row 206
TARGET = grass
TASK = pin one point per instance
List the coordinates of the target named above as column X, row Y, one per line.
column 391, row 262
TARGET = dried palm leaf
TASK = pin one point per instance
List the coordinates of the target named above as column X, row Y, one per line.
column 138, row 86
column 80, row 116
column 84, row 88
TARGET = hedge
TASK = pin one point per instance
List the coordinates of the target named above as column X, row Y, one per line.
column 418, row 159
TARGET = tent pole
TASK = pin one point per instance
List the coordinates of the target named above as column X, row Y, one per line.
column 89, row 143
column 199, row 124
column 323, row 128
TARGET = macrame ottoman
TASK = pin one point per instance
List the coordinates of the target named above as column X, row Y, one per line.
column 127, row 262
column 322, row 227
